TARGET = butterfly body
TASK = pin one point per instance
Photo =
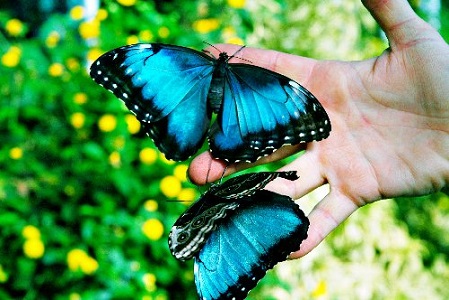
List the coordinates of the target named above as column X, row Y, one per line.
column 216, row 90
column 174, row 90
column 237, row 231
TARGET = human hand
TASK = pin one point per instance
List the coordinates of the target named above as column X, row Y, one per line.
column 389, row 115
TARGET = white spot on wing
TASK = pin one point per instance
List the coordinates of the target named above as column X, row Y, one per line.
column 294, row 84
column 145, row 46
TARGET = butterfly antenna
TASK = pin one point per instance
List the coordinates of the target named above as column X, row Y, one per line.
column 241, row 58
column 240, row 49
column 178, row 201
column 222, row 174
column 211, row 46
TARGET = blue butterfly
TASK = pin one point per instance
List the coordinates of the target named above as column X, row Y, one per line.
column 174, row 90
column 236, row 232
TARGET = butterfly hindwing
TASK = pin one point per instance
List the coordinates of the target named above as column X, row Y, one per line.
column 166, row 88
column 245, row 245
column 262, row 111
column 193, row 227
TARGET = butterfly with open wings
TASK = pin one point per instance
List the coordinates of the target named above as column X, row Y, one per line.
column 174, row 90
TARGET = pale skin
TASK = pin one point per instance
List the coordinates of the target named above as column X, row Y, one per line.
column 390, row 122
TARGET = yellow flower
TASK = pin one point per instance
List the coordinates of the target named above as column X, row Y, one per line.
column 187, row 195
column 153, row 229
column 80, row 98
column 235, row 40
column 74, row 296
column 52, row 39
column 150, row 205
column 119, row 142
column 148, row 156
column 93, row 54
column 133, row 124
column 236, row 3
column 165, row 160
column 170, row 186
column 77, row 12
column 33, row 248
column 132, row 39
column 77, row 120
column 12, row 57
column 74, row 258
column 163, row 32
column 16, row 153
column 146, row 35
column 31, row 232
column 127, row 2
column 205, row 25
column 102, row 14
column 149, row 281
column 14, row 27
column 89, row 29
column 228, row 31
column 78, row 259
column 180, row 172
column 107, row 123
column 115, row 159
column 320, row 289
column 56, row 69
column 73, row 64
column 89, row 265
column 3, row 275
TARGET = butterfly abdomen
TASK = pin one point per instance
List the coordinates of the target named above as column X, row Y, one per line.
column 216, row 90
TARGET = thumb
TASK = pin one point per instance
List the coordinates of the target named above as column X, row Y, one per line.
column 397, row 18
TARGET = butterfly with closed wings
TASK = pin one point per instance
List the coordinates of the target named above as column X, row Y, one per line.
column 236, row 232
column 174, row 90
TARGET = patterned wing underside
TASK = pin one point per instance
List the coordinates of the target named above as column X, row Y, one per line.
column 191, row 230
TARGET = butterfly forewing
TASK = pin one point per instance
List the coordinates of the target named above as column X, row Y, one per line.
column 191, row 230
column 248, row 184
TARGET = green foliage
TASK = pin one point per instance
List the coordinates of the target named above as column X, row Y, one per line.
column 83, row 193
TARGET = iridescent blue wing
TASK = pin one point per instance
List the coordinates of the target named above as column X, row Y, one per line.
column 262, row 111
column 166, row 87
column 245, row 245
column 191, row 230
